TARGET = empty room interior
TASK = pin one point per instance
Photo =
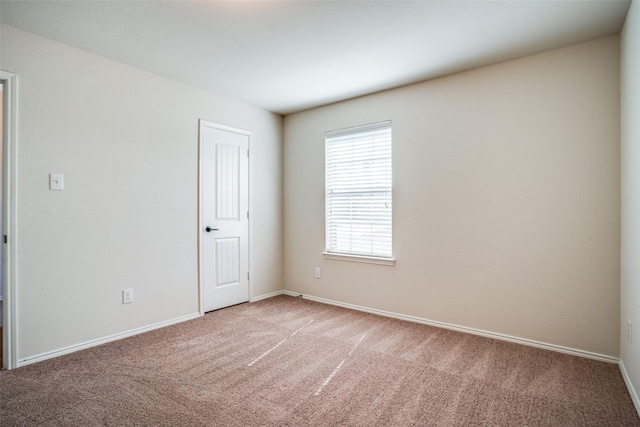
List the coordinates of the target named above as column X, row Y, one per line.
column 183, row 226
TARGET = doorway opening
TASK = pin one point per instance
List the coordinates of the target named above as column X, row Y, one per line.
column 8, row 217
column 1, row 222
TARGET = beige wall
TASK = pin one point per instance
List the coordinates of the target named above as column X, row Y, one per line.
column 506, row 200
column 630, row 151
column 127, row 144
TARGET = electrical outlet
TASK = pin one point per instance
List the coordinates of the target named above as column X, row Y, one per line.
column 127, row 296
column 318, row 273
column 629, row 336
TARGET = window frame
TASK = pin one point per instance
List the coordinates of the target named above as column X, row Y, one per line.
column 356, row 256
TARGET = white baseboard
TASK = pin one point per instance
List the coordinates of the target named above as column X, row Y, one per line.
column 93, row 343
column 473, row 331
column 629, row 384
column 265, row 296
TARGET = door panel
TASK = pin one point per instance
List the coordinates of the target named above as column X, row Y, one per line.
column 227, row 181
column 225, row 203
column 228, row 254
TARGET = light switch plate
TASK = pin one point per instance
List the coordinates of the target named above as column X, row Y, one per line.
column 56, row 181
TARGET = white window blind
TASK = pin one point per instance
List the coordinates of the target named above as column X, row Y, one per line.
column 358, row 190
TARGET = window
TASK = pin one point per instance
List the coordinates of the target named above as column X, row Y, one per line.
column 358, row 193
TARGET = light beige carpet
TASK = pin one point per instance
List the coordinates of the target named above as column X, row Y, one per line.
column 291, row 362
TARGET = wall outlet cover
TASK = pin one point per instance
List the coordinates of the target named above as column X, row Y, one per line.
column 127, row 296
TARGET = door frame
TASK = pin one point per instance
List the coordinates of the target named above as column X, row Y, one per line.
column 10, row 219
column 249, row 134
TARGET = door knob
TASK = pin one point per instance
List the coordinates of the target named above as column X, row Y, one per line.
column 209, row 229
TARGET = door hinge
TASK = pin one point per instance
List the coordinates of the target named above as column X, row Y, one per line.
column 5, row 238
column 247, row 153
column 247, row 275
column 247, row 214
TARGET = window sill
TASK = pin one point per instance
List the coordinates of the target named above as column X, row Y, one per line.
column 359, row 258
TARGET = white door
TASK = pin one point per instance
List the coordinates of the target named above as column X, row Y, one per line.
column 224, row 157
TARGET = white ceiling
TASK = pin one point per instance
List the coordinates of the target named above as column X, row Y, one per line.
column 293, row 55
